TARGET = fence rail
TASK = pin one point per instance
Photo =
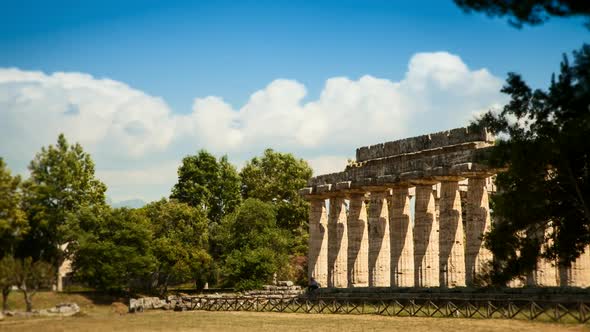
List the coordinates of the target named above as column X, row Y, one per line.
column 572, row 312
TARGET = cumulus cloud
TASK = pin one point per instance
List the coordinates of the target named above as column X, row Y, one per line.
column 137, row 137
column 438, row 92
column 105, row 116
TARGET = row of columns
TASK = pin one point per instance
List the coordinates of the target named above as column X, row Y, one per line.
column 377, row 246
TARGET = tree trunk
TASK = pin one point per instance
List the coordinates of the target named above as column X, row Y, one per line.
column 28, row 300
column 5, row 292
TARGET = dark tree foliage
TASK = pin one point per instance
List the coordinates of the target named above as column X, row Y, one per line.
column 113, row 249
column 542, row 208
column 528, row 11
column 180, row 243
column 211, row 185
column 276, row 178
column 254, row 247
column 13, row 221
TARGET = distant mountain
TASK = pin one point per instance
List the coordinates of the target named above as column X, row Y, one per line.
column 130, row 203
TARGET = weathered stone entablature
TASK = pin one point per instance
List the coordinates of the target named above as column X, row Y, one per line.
column 411, row 213
column 449, row 154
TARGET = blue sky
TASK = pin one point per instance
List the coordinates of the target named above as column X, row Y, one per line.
column 325, row 62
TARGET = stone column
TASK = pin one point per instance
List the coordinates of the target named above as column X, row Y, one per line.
column 337, row 244
column 402, row 245
column 318, row 242
column 426, row 261
column 451, row 246
column 545, row 273
column 379, row 254
column 578, row 273
column 477, row 224
column 358, row 242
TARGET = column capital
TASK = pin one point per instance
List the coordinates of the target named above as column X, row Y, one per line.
column 377, row 190
column 450, row 178
column 473, row 170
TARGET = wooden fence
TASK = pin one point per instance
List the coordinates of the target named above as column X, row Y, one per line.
column 542, row 310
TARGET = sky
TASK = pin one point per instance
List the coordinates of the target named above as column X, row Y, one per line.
column 141, row 84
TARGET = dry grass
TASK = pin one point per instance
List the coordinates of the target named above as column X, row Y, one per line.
column 100, row 316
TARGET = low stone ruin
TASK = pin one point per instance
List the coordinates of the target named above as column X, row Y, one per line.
column 283, row 289
column 62, row 309
column 147, row 303
column 183, row 302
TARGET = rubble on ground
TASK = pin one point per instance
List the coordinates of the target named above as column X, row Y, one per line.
column 184, row 302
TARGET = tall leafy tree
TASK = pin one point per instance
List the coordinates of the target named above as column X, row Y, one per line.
column 207, row 183
column 543, row 204
column 13, row 221
column 114, row 248
column 62, row 181
column 276, row 178
column 255, row 247
column 179, row 246
column 528, row 11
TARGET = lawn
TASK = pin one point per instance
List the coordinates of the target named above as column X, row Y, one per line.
column 98, row 316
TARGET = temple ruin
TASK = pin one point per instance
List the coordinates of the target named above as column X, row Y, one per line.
column 411, row 213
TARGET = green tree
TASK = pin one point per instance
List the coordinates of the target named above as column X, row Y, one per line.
column 179, row 246
column 113, row 249
column 542, row 207
column 13, row 221
column 62, row 181
column 255, row 248
column 7, row 280
column 30, row 276
column 276, row 178
column 209, row 184
column 528, row 11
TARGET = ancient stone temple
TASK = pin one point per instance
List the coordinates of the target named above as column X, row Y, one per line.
column 411, row 213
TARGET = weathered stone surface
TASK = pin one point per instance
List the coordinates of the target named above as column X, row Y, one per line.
column 145, row 303
column 62, row 309
column 422, row 143
column 318, row 242
column 426, row 247
column 401, row 235
column 388, row 170
column 477, row 224
column 337, row 244
column 578, row 274
column 451, row 246
column 285, row 283
column 379, row 242
column 358, row 242
column 64, row 269
column 545, row 273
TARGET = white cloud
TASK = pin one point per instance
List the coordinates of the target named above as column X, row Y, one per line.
column 137, row 137
column 438, row 92
column 327, row 164
column 125, row 184
column 105, row 116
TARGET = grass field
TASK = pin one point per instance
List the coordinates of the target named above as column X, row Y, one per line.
column 98, row 315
